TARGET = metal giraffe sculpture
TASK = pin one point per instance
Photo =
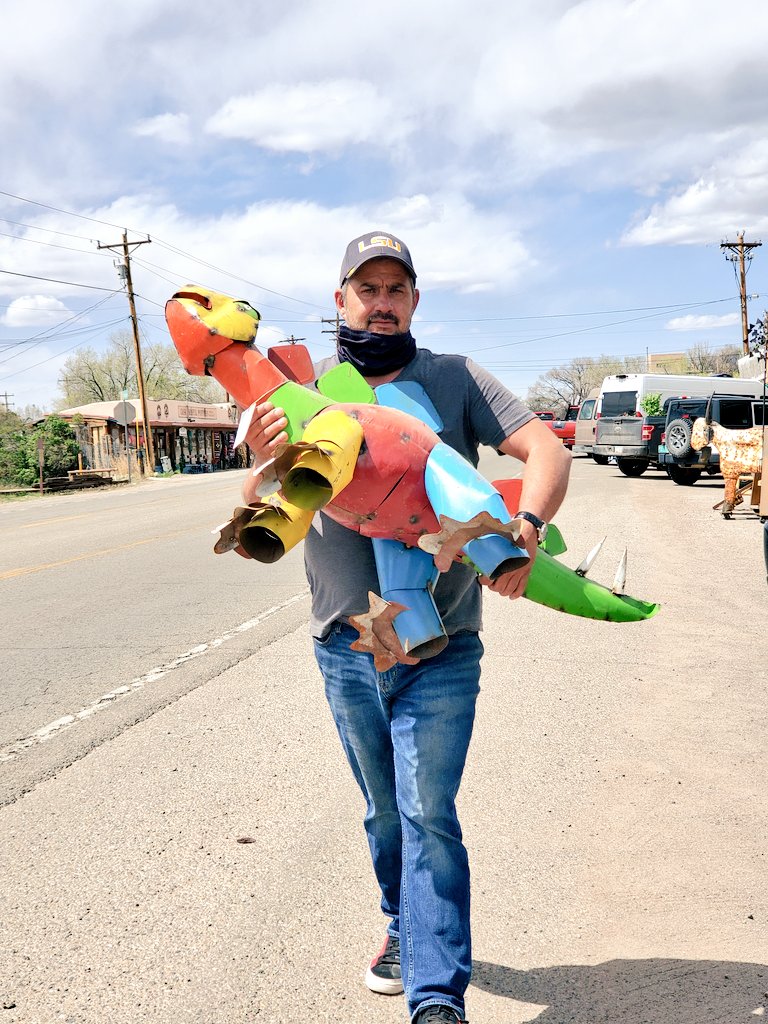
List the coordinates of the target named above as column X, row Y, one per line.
column 374, row 462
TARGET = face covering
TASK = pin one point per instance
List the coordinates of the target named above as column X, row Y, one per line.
column 374, row 355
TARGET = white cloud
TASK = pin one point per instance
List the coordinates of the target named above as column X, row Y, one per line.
column 34, row 311
column 691, row 322
column 598, row 93
column 481, row 133
column 731, row 196
column 295, row 247
column 311, row 117
column 173, row 129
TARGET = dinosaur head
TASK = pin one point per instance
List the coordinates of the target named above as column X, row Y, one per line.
column 203, row 323
column 701, row 434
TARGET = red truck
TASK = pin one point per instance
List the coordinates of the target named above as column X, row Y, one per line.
column 565, row 429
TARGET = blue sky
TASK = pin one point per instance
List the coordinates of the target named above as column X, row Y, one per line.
column 564, row 173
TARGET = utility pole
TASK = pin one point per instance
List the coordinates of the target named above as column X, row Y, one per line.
column 740, row 252
column 5, row 398
column 335, row 328
column 149, row 447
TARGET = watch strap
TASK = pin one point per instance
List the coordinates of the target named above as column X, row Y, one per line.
column 534, row 520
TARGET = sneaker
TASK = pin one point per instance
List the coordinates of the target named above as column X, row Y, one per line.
column 438, row 1015
column 383, row 974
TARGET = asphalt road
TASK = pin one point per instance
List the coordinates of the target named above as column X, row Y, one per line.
column 613, row 803
column 108, row 591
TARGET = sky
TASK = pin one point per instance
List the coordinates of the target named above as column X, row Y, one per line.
column 564, row 173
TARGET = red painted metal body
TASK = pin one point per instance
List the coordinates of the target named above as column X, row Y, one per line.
column 386, row 497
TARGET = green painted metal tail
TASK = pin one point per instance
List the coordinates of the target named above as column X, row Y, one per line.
column 555, row 585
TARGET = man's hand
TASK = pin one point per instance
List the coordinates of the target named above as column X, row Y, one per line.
column 266, row 432
column 512, row 584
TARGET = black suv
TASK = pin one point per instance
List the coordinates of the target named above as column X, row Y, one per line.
column 683, row 464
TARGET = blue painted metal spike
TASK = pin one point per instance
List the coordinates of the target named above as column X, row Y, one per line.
column 409, row 396
column 493, row 555
column 408, row 576
column 456, row 489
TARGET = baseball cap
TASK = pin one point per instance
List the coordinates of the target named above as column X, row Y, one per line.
column 371, row 246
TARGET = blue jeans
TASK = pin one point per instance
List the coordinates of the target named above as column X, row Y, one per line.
column 405, row 733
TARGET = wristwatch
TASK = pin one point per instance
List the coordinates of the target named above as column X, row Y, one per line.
column 541, row 526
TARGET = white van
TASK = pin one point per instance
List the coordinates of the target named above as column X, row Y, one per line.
column 622, row 393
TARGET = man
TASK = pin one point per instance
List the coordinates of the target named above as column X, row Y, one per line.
column 406, row 731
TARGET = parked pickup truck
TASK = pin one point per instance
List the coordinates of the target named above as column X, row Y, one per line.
column 632, row 440
column 565, row 429
column 638, row 442
column 683, row 463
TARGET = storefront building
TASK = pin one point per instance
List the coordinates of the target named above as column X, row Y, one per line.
column 186, row 436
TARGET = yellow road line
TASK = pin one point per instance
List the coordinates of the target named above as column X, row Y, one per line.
column 25, row 570
column 96, row 511
column 93, row 512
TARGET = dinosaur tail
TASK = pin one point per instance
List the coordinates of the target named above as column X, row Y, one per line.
column 555, row 585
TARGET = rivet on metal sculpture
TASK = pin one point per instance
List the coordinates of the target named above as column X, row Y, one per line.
column 375, row 464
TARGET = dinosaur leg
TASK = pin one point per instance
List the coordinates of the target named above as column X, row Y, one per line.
column 407, row 578
column 730, row 495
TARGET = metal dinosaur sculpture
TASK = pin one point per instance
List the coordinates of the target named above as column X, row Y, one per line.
column 374, row 462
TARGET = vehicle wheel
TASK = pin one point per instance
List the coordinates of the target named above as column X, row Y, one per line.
column 683, row 475
column 679, row 438
column 632, row 467
column 601, row 460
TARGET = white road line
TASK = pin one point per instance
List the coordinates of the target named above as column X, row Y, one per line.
column 47, row 732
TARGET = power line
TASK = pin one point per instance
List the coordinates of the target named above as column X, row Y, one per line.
column 236, row 277
column 153, row 269
column 175, row 249
column 55, row 280
column 58, row 355
column 163, row 244
column 674, row 307
column 33, row 343
column 51, row 231
column 52, row 245
column 51, row 332
column 67, row 213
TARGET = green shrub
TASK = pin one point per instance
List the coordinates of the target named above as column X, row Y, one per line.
column 19, row 461
column 651, row 404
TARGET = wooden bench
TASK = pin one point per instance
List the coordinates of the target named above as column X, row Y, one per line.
column 74, row 474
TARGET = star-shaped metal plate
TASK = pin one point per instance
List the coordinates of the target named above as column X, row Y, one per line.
column 454, row 535
column 368, row 642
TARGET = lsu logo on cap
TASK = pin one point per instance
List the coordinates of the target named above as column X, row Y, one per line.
column 377, row 241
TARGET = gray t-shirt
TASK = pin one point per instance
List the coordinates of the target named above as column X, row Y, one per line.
column 475, row 409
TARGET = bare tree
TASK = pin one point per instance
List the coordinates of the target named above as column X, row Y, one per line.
column 570, row 384
column 92, row 377
column 702, row 359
